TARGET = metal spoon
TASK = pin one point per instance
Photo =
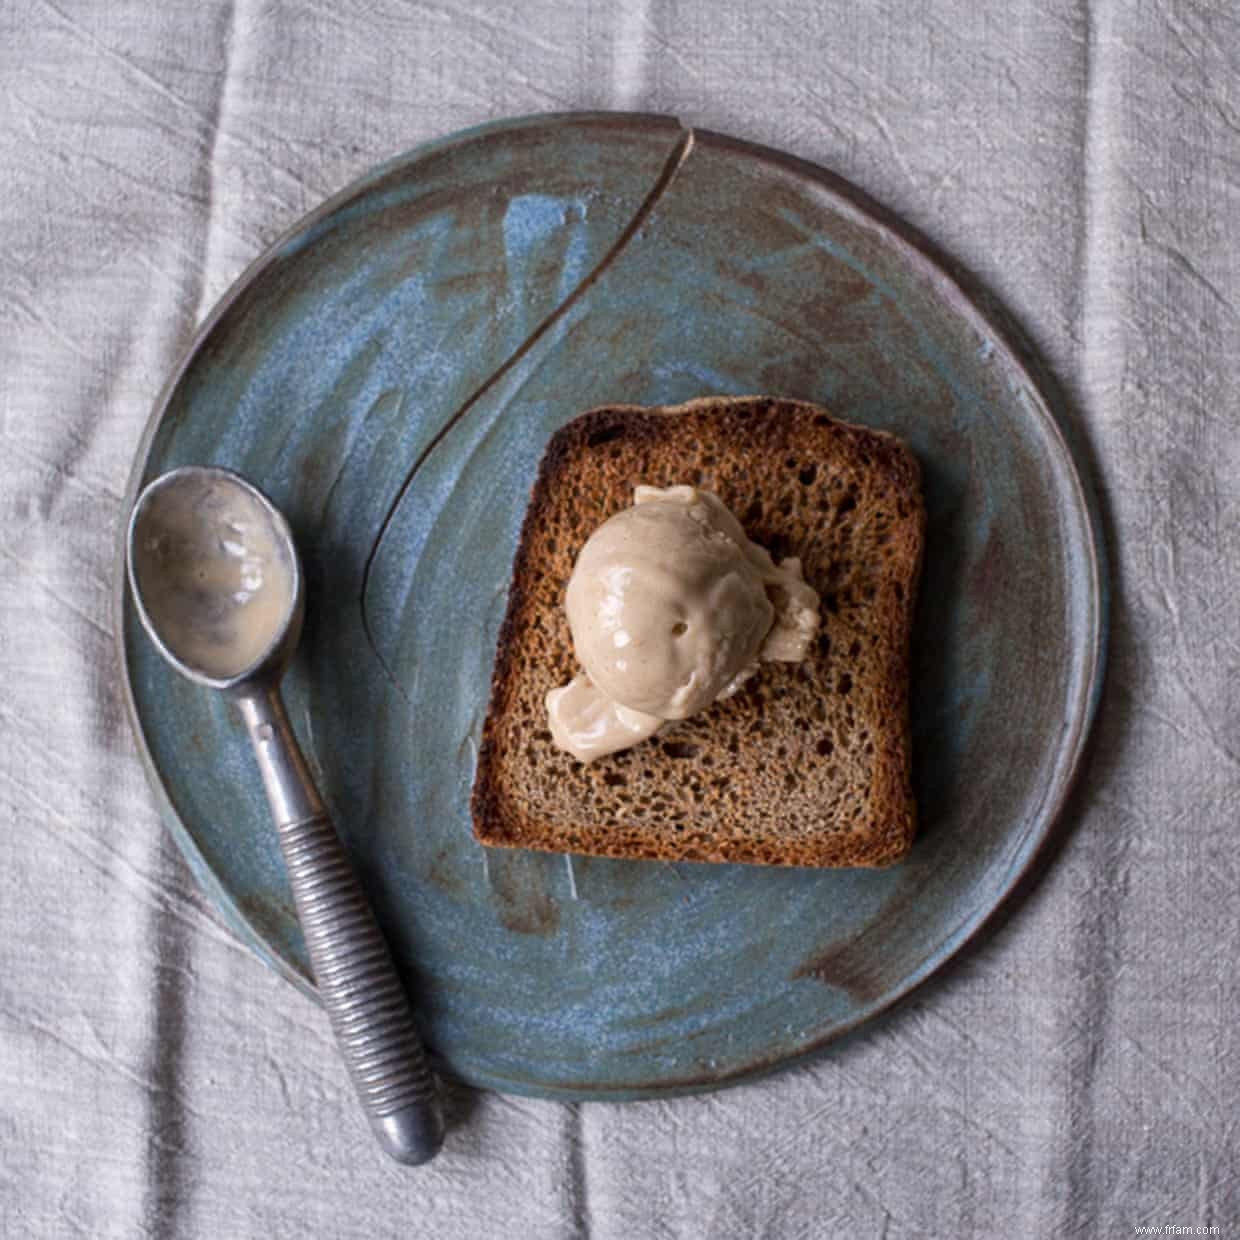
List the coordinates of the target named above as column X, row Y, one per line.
column 219, row 589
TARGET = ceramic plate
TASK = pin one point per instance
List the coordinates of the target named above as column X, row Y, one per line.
column 389, row 373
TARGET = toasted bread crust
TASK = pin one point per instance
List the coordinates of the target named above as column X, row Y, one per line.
column 807, row 765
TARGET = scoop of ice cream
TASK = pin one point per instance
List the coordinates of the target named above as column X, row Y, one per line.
column 670, row 607
column 664, row 607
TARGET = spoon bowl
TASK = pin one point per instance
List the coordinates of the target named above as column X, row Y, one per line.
column 216, row 577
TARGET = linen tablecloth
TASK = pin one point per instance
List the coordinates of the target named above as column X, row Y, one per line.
column 1077, row 1073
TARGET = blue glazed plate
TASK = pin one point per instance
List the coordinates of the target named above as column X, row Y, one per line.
column 450, row 311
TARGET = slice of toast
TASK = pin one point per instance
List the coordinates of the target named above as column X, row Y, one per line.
column 808, row 764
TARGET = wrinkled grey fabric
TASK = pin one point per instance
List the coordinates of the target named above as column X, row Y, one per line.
column 1077, row 1073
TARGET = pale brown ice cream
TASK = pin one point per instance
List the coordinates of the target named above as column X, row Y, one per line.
column 671, row 607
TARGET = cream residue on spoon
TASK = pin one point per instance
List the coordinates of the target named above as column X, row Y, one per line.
column 215, row 575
